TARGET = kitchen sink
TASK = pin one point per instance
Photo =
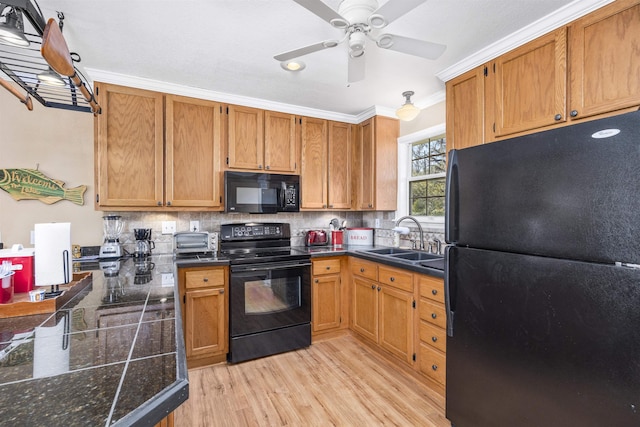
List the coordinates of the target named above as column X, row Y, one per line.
column 389, row 251
column 437, row 264
column 417, row 256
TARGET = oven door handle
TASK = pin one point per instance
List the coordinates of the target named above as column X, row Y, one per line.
column 269, row 266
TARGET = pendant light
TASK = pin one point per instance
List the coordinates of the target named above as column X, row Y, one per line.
column 408, row 111
column 50, row 77
column 12, row 29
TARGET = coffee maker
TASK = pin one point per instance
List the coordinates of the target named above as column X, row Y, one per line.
column 144, row 244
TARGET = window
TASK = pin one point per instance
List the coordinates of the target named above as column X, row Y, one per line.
column 427, row 180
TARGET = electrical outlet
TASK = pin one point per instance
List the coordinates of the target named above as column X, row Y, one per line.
column 377, row 222
column 194, row 225
column 32, row 237
column 167, row 279
column 168, row 227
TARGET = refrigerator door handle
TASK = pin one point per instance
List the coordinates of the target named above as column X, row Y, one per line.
column 449, row 288
column 451, row 223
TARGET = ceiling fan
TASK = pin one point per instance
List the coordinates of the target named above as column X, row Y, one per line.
column 361, row 20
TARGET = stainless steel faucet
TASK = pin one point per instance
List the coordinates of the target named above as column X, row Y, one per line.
column 419, row 228
column 438, row 244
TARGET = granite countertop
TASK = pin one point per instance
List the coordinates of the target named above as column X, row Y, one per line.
column 112, row 355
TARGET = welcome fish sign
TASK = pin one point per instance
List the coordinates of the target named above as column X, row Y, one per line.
column 23, row 184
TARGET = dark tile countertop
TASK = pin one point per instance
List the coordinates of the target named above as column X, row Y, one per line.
column 113, row 355
column 364, row 252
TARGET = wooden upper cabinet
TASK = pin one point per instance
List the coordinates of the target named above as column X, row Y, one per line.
column 339, row 166
column 376, row 150
column 531, row 85
column 261, row 140
column 246, row 138
column 604, row 54
column 313, row 185
column 129, row 147
column 280, row 143
column 193, row 138
column 465, row 109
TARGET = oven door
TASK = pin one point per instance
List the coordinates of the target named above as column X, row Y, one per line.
column 269, row 296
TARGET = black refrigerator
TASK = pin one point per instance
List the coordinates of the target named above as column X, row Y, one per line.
column 542, row 279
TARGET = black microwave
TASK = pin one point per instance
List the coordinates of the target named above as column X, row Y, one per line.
column 250, row 192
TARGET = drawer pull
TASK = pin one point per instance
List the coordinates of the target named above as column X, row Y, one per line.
column 434, row 339
column 221, row 291
column 328, row 268
column 361, row 270
column 206, row 279
column 434, row 367
column 393, row 279
column 373, row 286
column 379, row 288
column 433, row 315
column 316, row 280
column 434, row 292
column 557, row 117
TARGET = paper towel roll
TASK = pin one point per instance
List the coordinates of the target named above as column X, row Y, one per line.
column 52, row 253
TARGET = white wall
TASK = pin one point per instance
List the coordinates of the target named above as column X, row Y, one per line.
column 60, row 143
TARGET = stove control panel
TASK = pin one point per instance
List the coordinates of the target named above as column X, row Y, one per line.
column 254, row 231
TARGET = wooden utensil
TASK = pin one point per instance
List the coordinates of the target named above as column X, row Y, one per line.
column 56, row 52
column 25, row 99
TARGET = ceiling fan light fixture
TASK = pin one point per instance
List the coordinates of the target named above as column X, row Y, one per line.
column 51, row 78
column 12, row 29
column 356, row 53
column 293, row 65
column 407, row 111
column 330, row 43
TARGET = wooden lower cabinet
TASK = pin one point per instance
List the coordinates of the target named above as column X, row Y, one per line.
column 204, row 294
column 432, row 347
column 328, row 301
column 383, row 307
column 166, row 421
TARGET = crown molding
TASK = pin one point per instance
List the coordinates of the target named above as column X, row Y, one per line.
column 558, row 18
column 193, row 92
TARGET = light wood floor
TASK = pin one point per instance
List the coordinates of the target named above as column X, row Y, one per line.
column 335, row 382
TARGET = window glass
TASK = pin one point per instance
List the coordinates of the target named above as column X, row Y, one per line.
column 427, row 181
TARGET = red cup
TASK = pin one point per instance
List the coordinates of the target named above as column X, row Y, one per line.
column 336, row 238
column 6, row 289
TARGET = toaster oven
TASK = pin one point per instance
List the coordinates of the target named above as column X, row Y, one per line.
column 191, row 242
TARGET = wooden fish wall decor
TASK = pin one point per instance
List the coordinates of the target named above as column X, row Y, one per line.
column 23, row 184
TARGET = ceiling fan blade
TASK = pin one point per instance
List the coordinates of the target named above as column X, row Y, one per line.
column 356, row 69
column 394, row 9
column 424, row 49
column 320, row 9
column 296, row 53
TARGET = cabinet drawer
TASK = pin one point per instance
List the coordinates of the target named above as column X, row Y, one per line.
column 433, row 313
column 326, row 266
column 433, row 363
column 432, row 288
column 204, row 278
column 433, row 336
column 364, row 269
column 397, row 278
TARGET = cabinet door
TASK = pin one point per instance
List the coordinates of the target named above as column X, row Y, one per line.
column 339, row 166
column 385, row 184
column 246, row 138
column 531, row 85
column 280, row 142
column 314, row 164
column 465, row 109
column 396, row 322
column 205, row 332
column 365, row 308
column 326, row 302
column 605, row 60
column 129, row 147
column 193, row 133
column 366, row 154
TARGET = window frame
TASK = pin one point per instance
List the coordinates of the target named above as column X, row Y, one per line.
column 404, row 173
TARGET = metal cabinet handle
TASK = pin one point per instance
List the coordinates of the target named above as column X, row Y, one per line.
column 168, row 203
column 434, row 292
column 316, row 281
column 379, row 288
column 159, row 203
column 206, row 279
column 324, row 206
column 259, row 166
column 267, row 167
column 434, row 367
column 222, row 291
column 362, row 270
column 393, row 279
column 433, row 315
column 434, row 339
column 574, row 113
column 557, row 117
column 328, row 268
column 373, row 286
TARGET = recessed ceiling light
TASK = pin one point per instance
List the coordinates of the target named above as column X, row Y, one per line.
column 293, row 65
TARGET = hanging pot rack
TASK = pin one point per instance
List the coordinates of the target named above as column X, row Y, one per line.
column 24, row 64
